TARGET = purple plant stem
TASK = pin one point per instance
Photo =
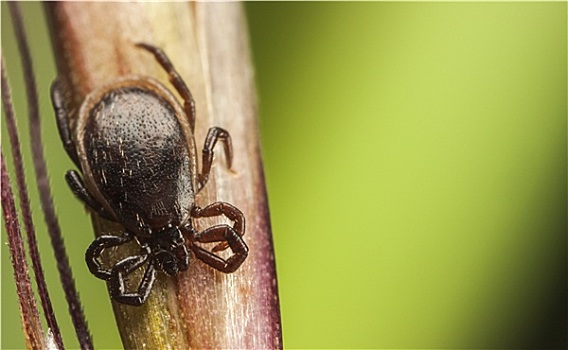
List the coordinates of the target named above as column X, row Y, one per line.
column 27, row 213
column 28, row 309
column 65, row 273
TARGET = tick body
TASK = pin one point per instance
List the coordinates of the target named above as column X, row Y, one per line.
column 134, row 144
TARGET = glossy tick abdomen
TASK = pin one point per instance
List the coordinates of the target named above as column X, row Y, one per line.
column 139, row 158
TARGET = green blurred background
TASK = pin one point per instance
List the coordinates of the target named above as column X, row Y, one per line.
column 416, row 166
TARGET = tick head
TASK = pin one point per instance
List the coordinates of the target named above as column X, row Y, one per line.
column 169, row 251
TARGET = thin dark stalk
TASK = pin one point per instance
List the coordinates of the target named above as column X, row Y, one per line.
column 65, row 273
column 27, row 213
column 28, row 309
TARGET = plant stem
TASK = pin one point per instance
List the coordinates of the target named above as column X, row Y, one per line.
column 207, row 43
column 29, row 313
column 48, row 208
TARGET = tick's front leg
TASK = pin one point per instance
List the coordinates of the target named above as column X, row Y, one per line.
column 221, row 233
column 218, row 209
column 95, row 250
column 119, row 274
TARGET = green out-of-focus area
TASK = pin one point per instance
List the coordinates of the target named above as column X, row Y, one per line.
column 416, row 164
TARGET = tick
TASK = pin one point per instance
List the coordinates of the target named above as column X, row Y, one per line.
column 134, row 144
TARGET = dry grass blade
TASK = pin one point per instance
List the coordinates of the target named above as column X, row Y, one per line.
column 207, row 42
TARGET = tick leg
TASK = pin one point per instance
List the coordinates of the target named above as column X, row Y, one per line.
column 175, row 79
column 61, row 115
column 222, row 208
column 215, row 134
column 221, row 233
column 95, row 250
column 118, row 277
column 78, row 188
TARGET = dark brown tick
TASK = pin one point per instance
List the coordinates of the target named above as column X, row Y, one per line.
column 134, row 144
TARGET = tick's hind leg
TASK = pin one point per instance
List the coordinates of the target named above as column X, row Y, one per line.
column 175, row 79
column 95, row 250
column 119, row 274
column 221, row 233
column 213, row 135
column 61, row 115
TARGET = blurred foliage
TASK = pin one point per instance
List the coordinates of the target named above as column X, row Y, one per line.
column 415, row 157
